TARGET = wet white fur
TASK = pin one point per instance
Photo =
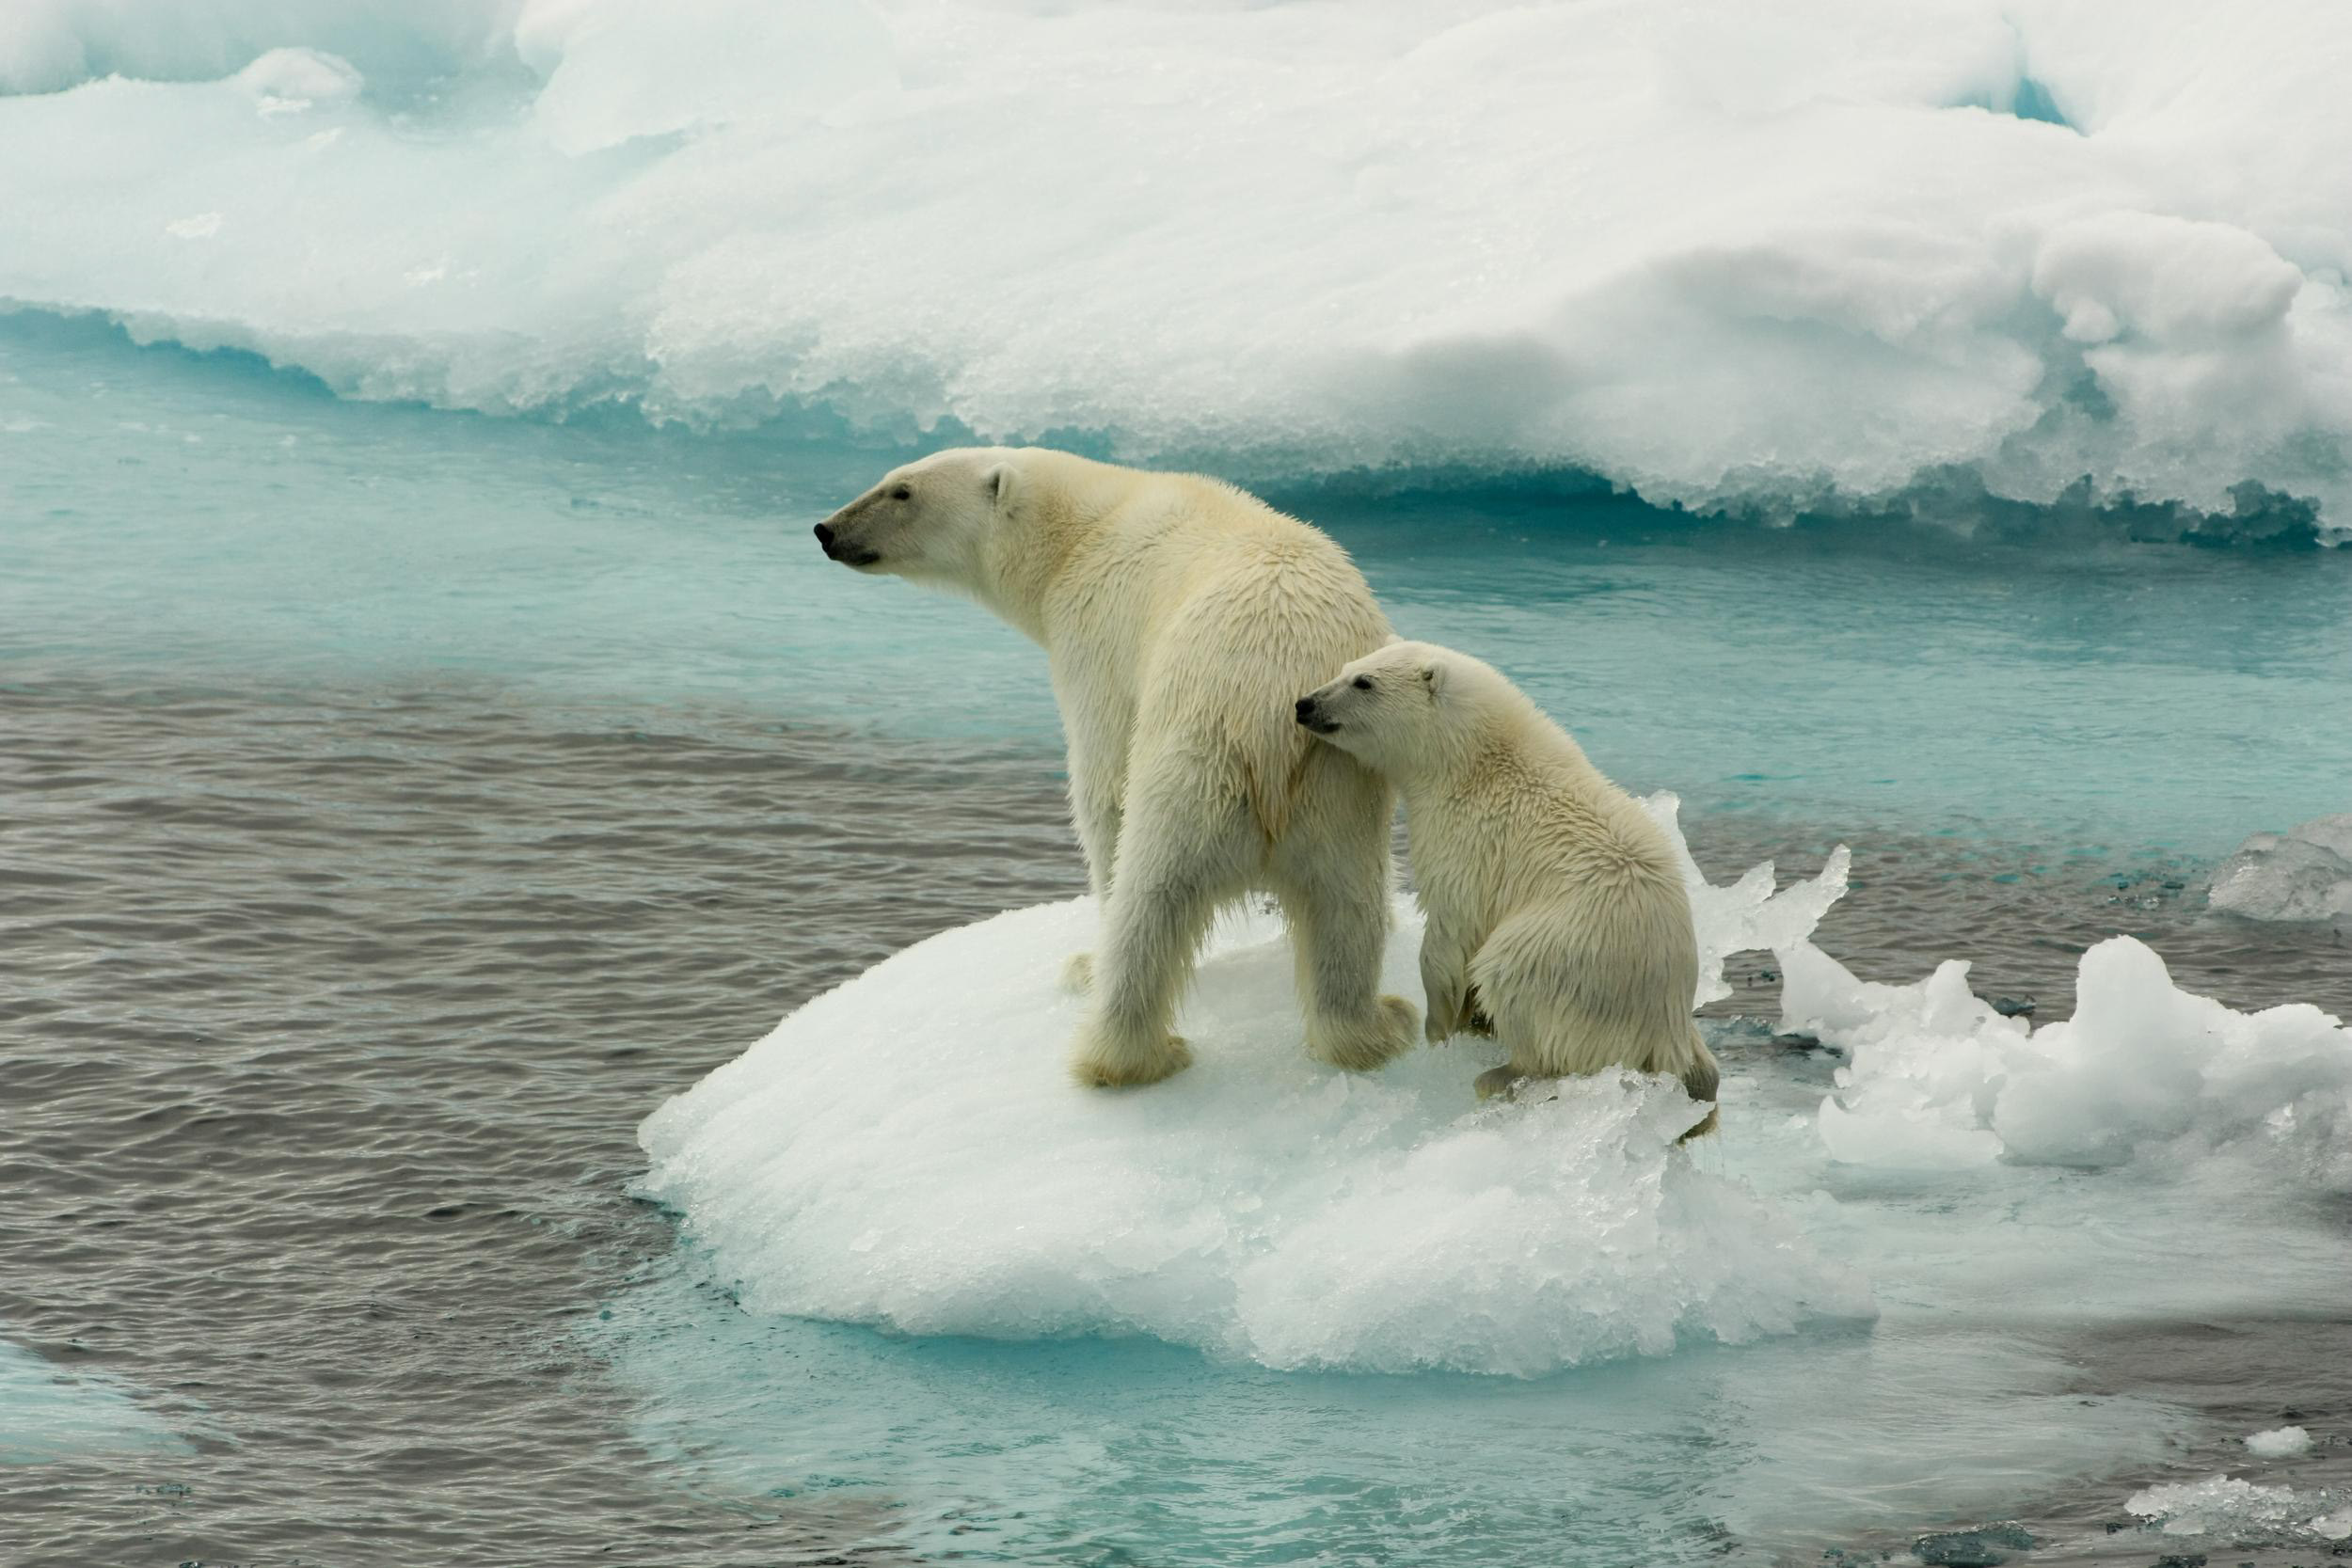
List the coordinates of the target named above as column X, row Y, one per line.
column 1182, row 618
column 1555, row 903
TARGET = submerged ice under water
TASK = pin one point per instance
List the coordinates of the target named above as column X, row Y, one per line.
column 1910, row 1228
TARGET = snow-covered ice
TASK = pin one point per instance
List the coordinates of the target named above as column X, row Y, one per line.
column 908, row 1151
column 1939, row 1079
column 1822, row 252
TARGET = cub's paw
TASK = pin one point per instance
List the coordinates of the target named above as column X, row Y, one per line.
column 1103, row 1062
column 1077, row 974
column 1361, row 1045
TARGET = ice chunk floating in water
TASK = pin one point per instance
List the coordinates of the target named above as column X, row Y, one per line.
column 1939, row 1079
column 2303, row 874
column 1727, row 255
column 908, row 1151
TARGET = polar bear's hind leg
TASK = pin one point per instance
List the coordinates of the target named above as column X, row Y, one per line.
column 1330, row 873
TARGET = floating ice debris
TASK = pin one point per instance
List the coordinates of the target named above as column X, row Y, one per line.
column 2303, row 874
column 1940, row 1080
column 2279, row 1443
column 2244, row 1514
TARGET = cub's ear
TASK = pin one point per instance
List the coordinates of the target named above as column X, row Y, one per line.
column 999, row 481
column 1433, row 679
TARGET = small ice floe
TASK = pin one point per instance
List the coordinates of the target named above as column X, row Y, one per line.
column 2245, row 1513
column 2279, row 1443
column 907, row 1151
column 2302, row 874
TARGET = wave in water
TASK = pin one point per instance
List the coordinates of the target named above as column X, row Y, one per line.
column 2040, row 252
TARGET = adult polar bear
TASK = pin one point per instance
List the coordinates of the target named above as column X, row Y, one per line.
column 1181, row 618
column 1555, row 905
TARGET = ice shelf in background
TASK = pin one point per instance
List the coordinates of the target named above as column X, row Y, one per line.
column 1826, row 253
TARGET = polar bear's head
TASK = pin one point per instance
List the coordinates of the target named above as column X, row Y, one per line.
column 1407, row 708
column 930, row 519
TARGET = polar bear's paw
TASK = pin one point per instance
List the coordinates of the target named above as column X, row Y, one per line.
column 1509, row 1083
column 1077, row 974
column 1365, row 1045
column 1106, row 1062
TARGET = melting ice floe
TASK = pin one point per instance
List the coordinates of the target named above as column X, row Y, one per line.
column 1939, row 1079
column 1721, row 254
column 908, row 1151
column 905, row 1150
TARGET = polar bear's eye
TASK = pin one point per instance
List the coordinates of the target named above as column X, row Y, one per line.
column 901, row 493
column 1363, row 683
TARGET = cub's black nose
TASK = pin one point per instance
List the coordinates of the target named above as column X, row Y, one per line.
column 1306, row 707
column 824, row 537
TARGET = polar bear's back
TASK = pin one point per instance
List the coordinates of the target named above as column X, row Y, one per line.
column 1227, row 612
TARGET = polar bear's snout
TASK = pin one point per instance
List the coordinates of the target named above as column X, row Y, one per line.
column 838, row 547
column 1312, row 714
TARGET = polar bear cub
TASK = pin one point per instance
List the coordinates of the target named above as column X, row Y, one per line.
column 1554, row 904
column 1180, row 617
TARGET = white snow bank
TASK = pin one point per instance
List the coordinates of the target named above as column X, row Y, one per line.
column 1722, row 254
column 2303, row 874
column 2279, row 1443
column 1938, row 1079
column 2244, row 1514
column 908, row 1151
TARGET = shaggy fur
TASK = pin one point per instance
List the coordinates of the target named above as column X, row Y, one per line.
column 1554, row 904
column 1181, row 618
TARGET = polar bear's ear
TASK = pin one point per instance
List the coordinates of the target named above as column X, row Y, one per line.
column 1433, row 677
column 999, row 481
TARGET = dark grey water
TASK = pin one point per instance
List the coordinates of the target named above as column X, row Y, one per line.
column 328, row 1025
column 326, row 1020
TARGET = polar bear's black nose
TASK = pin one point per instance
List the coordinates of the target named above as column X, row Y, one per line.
column 1305, row 708
column 824, row 538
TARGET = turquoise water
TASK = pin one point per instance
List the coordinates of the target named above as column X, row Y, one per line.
column 193, row 513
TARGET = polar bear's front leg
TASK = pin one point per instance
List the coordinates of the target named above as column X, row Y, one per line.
column 1182, row 849
column 1097, row 747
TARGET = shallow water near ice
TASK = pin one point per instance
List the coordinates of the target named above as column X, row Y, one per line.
column 2049, row 688
column 401, row 805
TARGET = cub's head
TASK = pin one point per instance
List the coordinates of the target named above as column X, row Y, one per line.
column 1399, row 708
column 929, row 519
